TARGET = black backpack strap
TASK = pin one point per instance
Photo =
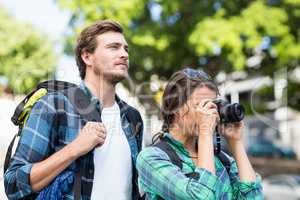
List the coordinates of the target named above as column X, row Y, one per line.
column 77, row 184
column 165, row 147
column 55, row 85
column 225, row 160
column 87, row 110
column 8, row 154
column 82, row 104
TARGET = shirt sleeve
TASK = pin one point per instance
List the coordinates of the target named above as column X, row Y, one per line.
column 157, row 175
column 244, row 189
column 34, row 145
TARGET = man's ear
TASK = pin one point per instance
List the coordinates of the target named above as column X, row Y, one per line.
column 87, row 58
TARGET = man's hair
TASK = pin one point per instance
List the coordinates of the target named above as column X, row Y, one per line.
column 87, row 40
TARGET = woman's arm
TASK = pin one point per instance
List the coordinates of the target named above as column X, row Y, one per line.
column 158, row 176
column 245, row 182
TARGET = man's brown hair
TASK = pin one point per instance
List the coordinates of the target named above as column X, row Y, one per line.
column 87, row 40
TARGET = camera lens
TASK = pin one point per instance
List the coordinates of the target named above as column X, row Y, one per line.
column 230, row 113
column 236, row 112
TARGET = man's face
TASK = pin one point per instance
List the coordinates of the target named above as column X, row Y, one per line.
column 110, row 58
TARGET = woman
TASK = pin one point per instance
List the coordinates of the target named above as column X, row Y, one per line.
column 190, row 120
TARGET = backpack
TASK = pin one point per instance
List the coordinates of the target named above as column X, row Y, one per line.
column 165, row 146
column 80, row 102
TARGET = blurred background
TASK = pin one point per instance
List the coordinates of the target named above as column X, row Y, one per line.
column 251, row 49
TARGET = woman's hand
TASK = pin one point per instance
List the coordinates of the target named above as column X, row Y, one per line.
column 206, row 117
column 232, row 132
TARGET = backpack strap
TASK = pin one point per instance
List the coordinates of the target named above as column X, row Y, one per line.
column 86, row 109
column 165, row 147
column 224, row 160
column 8, row 154
column 50, row 85
column 82, row 104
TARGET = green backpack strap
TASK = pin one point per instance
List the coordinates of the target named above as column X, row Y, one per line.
column 50, row 86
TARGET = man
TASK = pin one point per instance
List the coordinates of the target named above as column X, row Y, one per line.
column 53, row 139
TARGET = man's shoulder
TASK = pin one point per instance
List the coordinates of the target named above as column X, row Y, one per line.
column 55, row 101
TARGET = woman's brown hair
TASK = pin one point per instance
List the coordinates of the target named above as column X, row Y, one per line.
column 178, row 90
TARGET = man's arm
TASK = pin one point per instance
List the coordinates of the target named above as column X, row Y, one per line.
column 30, row 169
column 42, row 173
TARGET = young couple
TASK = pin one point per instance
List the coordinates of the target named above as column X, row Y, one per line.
column 112, row 163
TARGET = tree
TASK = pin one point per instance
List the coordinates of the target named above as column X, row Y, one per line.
column 26, row 56
column 215, row 35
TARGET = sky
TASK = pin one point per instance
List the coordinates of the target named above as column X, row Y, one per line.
column 44, row 14
column 47, row 17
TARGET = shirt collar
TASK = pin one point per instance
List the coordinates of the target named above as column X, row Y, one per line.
column 94, row 99
column 177, row 144
column 122, row 105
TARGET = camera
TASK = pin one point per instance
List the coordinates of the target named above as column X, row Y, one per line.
column 229, row 113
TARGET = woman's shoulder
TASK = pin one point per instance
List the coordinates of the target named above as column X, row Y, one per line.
column 152, row 153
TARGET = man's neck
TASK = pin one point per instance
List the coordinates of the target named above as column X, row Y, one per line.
column 103, row 90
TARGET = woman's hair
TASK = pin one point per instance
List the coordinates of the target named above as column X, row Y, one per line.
column 178, row 90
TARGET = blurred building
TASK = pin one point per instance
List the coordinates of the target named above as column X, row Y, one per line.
column 278, row 123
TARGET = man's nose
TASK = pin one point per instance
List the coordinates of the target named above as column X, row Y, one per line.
column 124, row 54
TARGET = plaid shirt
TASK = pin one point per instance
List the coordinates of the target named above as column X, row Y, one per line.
column 158, row 177
column 47, row 130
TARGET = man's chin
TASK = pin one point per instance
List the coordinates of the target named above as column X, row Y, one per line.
column 117, row 77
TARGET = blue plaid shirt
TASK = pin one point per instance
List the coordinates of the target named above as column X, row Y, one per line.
column 48, row 129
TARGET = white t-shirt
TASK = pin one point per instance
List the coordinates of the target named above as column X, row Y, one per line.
column 113, row 167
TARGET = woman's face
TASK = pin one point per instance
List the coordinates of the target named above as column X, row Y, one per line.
column 186, row 114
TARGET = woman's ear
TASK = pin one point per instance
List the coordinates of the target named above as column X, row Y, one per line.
column 183, row 110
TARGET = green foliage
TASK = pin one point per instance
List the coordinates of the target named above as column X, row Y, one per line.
column 164, row 35
column 293, row 94
column 26, row 57
column 216, row 34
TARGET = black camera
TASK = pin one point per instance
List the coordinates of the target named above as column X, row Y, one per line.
column 229, row 113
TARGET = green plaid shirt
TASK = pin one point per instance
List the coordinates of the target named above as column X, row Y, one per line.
column 158, row 177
